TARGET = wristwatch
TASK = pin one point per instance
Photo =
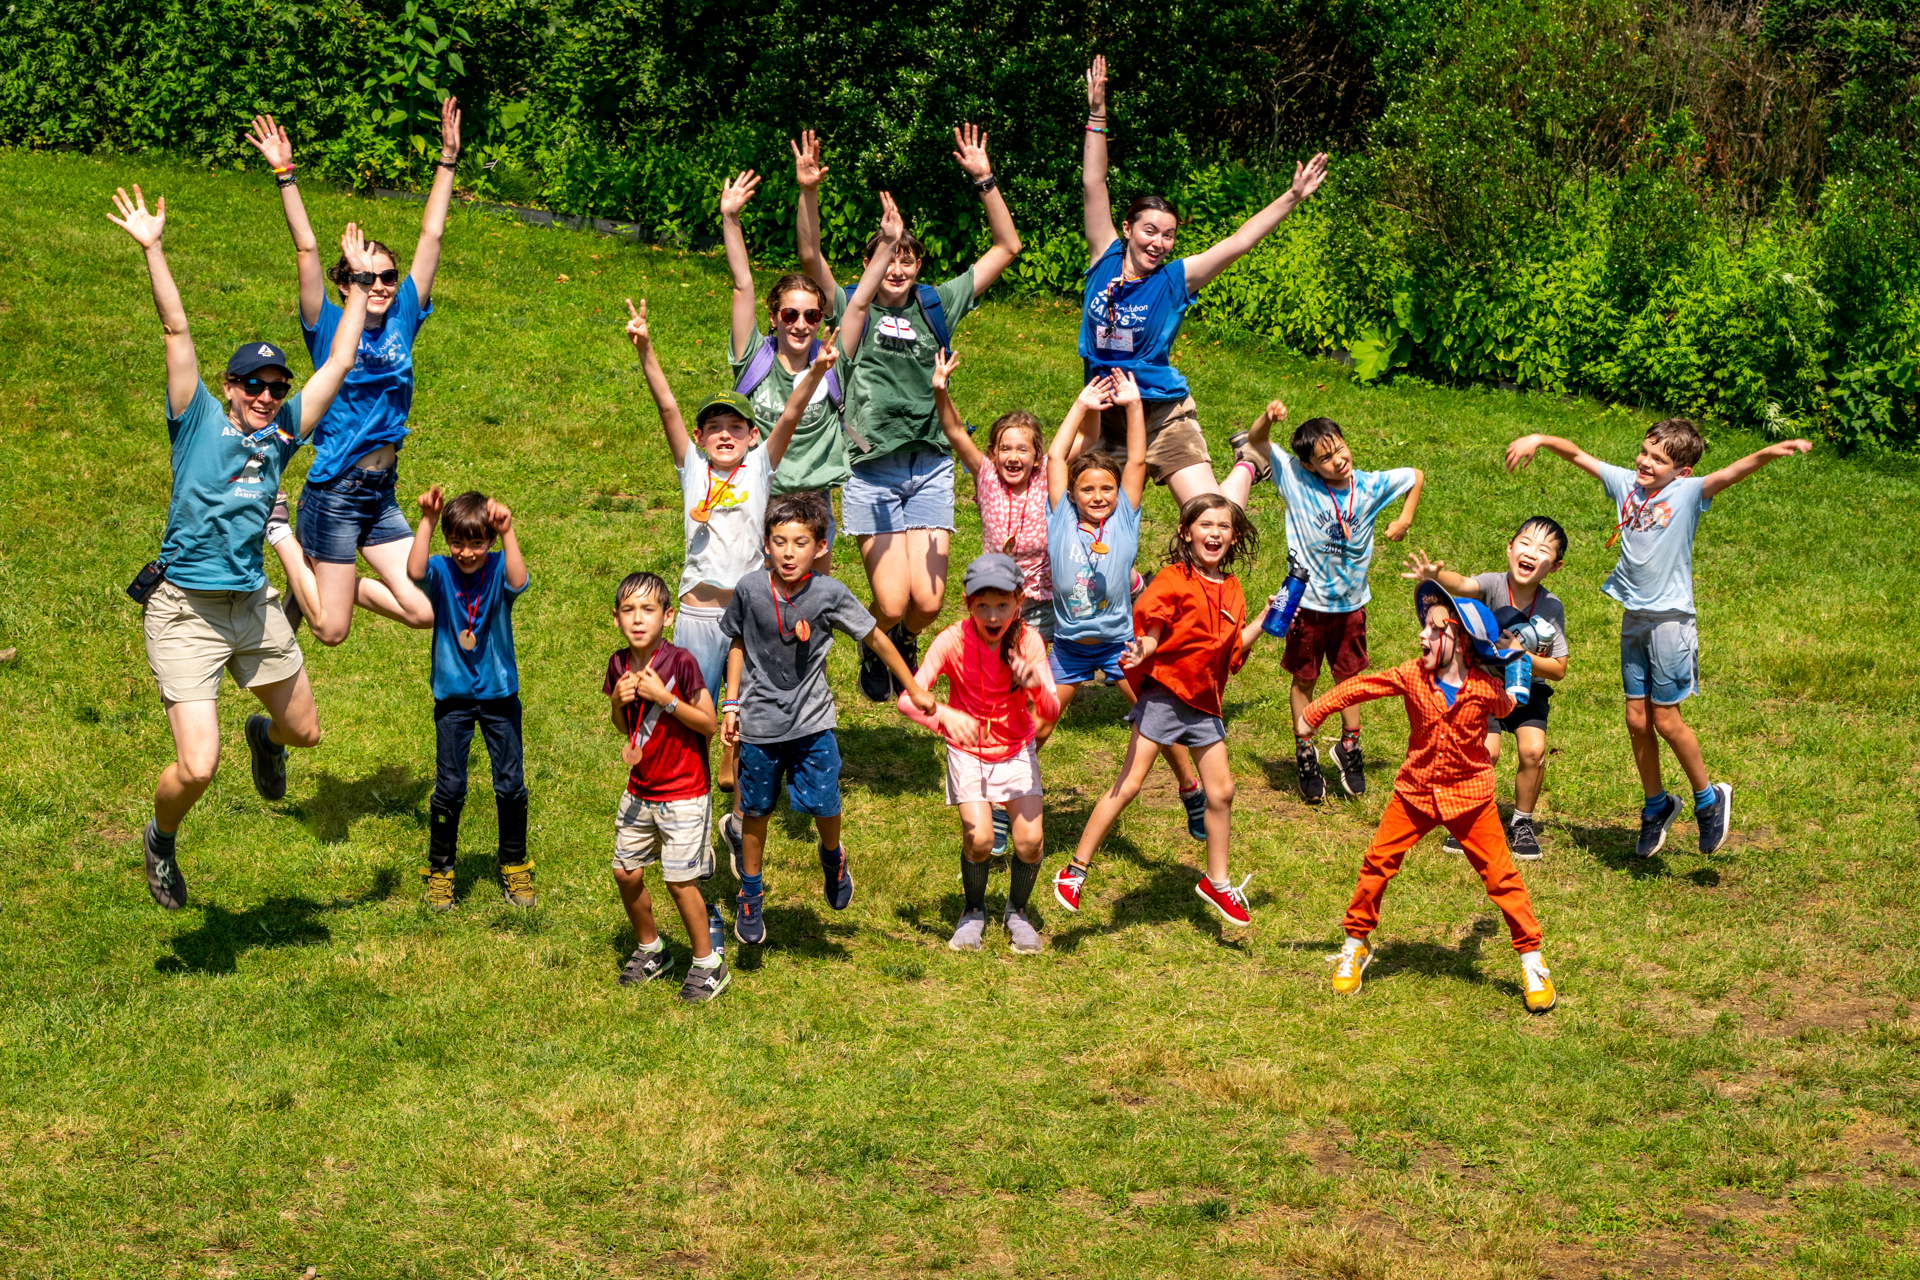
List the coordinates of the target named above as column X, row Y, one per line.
column 671, row 704
column 986, row 184
column 362, row 277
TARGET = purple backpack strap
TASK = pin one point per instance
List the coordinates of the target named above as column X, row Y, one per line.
column 758, row 366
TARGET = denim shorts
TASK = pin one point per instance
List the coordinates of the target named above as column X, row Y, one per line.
column 351, row 511
column 1659, row 656
column 1074, row 663
column 899, row 492
column 810, row 765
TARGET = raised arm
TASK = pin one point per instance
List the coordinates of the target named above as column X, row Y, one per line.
column 433, row 224
column 1396, row 531
column 1521, row 452
column 970, row 149
column 944, row 363
column 1083, row 415
column 853, row 321
column 271, row 141
column 796, row 407
column 1350, row 692
column 1204, row 266
column 1096, row 206
column 807, row 173
column 671, row 422
column 1420, row 569
column 500, row 520
column 1133, row 480
column 317, row 396
column 432, row 503
column 183, row 372
column 746, row 317
column 1735, row 472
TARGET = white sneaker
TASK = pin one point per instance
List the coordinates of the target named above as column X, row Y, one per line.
column 1539, row 983
column 1348, row 966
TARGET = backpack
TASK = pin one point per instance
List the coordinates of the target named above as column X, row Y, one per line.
column 760, row 364
column 930, row 308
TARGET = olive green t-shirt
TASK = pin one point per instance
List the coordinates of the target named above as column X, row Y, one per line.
column 890, row 388
column 816, row 457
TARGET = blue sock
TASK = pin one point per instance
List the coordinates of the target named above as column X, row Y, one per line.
column 750, row 885
column 1704, row 799
column 1654, row 805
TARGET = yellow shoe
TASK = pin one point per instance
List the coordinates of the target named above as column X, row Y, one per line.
column 439, row 894
column 1348, row 966
column 517, row 882
column 1539, row 983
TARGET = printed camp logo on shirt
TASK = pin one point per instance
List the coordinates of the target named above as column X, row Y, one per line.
column 897, row 333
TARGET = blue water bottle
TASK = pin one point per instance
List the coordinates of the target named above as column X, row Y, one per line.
column 1520, row 677
column 1286, row 601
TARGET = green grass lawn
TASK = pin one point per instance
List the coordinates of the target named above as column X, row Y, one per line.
column 305, row 1069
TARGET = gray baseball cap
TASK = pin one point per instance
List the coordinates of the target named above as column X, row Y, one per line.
column 994, row 571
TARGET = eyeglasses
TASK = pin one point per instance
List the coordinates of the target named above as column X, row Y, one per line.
column 254, row 386
column 390, row 276
column 789, row 314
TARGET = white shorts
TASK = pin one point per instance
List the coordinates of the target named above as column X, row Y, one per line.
column 672, row 833
column 969, row 778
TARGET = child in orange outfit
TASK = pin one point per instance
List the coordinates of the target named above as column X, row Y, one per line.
column 1447, row 779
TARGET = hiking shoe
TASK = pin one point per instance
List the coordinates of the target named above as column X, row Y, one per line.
column 1230, row 902
column 703, row 985
column 516, row 881
column 909, row 646
column 748, row 924
column 1653, row 827
column 1452, row 844
column 1347, row 759
column 1306, row 758
column 716, row 930
column 1347, row 968
column 164, row 881
column 1522, row 841
column 875, row 679
column 1021, row 935
column 730, row 833
column 839, row 880
column 1539, row 983
column 645, row 966
column 1002, row 828
column 1196, row 802
column 439, row 890
column 972, row 927
column 269, row 759
column 1262, row 467
column 1068, row 885
column 1717, row 820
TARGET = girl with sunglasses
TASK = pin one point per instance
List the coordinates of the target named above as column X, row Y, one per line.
column 348, row 509
column 1135, row 296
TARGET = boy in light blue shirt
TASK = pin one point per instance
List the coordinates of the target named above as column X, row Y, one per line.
column 1331, row 510
column 1657, row 507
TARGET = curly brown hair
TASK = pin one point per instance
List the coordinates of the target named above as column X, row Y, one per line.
column 1246, row 537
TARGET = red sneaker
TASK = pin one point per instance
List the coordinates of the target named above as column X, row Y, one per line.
column 1067, row 885
column 1231, row 903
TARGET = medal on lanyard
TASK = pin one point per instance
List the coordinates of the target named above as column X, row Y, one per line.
column 632, row 751
column 467, row 637
column 1344, row 521
column 1098, row 547
column 704, row 511
column 800, row 628
column 1631, row 517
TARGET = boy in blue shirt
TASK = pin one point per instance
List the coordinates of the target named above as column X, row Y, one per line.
column 1330, row 513
column 1658, row 506
column 475, row 682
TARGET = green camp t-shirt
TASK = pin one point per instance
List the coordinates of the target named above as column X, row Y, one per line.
column 890, row 388
column 816, row 457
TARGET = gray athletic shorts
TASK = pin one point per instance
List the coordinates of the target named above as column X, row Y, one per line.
column 1165, row 719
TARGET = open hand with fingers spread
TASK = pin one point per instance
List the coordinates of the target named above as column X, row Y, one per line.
column 1125, row 389
column 271, row 141
column 1308, row 177
column 637, row 327
column 944, row 363
column 735, row 193
column 1096, row 395
column 1421, row 569
column 353, row 247
column 970, row 149
column 807, row 169
column 144, row 227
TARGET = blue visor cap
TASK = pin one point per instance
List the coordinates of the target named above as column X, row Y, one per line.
column 1475, row 619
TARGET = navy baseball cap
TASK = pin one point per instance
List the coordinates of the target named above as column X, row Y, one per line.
column 256, row 355
column 1475, row 619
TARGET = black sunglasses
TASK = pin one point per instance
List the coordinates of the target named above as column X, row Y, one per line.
column 789, row 314
column 254, row 386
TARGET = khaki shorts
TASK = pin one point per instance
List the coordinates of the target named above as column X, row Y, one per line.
column 971, row 779
column 193, row 635
column 672, row 833
column 1174, row 441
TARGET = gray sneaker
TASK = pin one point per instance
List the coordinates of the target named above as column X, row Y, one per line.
column 269, row 759
column 1021, row 933
column 973, row 926
column 164, row 880
column 731, row 837
column 645, row 966
column 703, row 985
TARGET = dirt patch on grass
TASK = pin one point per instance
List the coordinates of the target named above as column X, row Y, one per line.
column 1807, row 1006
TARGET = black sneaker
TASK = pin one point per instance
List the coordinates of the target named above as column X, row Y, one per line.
column 748, row 924
column 1313, row 787
column 1347, row 759
column 1715, row 820
column 703, row 985
column 731, row 836
column 269, row 759
column 164, row 880
column 909, row 646
column 645, row 966
column 1452, row 844
column 1196, row 802
column 1262, row 467
column 1653, row 827
column 1522, row 841
column 875, row 679
column 838, row 880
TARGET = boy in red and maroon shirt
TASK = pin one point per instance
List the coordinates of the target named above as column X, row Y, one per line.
column 1447, row 779
column 661, row 703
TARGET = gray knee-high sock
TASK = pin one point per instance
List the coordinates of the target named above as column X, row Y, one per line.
column 973, row 876
column 1020, row 883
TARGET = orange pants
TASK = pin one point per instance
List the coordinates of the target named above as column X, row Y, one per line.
column 1478, row 831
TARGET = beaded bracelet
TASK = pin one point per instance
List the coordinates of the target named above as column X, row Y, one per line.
column 282, row 168
column 1091, row 129
column 285, row 180
column 729, row 704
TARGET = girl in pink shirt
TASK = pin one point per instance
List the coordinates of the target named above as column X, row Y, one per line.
column 999, row 693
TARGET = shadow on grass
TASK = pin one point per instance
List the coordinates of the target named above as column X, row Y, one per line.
column 338, row 804
column 1461, row 962
column 795, row 931
column 1166, row 896
column 223, row 936
column 1613, row 848
column 890, row 758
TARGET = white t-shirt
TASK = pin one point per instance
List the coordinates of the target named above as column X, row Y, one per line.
column 731, row 543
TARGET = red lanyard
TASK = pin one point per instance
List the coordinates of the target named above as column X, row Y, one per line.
column 800, row 628
column 472, row 606
column 1531, row 604
column 705, row 509
column 1016, row 513
column 1631, row 517
column 1353, row 502
column 1097, row 547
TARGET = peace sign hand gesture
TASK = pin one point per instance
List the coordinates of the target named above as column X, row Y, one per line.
column 271, row 141
column 144, row 227
column 735, row 193
column 807, row 169
column 829, row 351
column 637, row 328
column 970, row 149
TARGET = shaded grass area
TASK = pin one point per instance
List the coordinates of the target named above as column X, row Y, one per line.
column 306, row 1069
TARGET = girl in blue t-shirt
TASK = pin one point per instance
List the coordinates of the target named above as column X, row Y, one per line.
column 1135, row 295
column 347, row 508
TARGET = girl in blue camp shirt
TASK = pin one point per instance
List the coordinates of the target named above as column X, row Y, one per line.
column 1136, row 294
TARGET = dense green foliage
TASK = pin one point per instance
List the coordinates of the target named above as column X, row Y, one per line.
column 1670, row 202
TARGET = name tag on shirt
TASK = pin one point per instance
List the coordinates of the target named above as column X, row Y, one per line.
column 1115, row 339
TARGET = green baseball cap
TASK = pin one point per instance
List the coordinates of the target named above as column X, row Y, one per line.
column 730, row 401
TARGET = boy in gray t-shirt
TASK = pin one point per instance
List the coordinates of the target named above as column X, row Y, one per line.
column 1526, row 610
column 779, row 710
column 1656, row 507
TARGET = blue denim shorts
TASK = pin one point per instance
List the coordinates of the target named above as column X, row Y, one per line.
column 1074, row 663
column 899, row 492
column 1659, row 657
column 810, row 765
column 349, row 512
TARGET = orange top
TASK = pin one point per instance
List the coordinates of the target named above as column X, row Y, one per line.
column 981, row 685
column 1448, row 771
column 1200, row 624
